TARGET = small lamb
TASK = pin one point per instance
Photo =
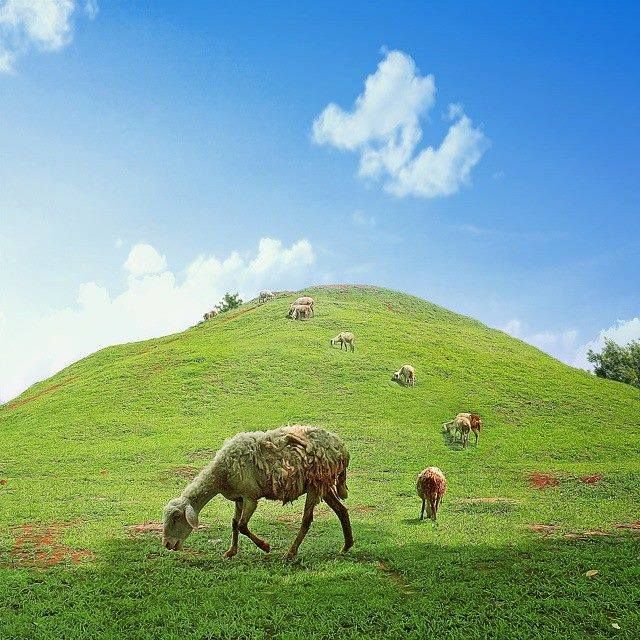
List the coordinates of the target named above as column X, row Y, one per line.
column 346, row 339
column 406, row 374
column 431, row 486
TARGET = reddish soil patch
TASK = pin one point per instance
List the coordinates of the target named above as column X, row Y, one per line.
column 184, row 472
column 18, row 403
column 635, row 526
column 591, row 479
column 543, row 480
column 363, row 508
column 396, row 577
column 39, row 546
column 146, row 527
column 3, row 481
column 585, row 535
column 545, row 529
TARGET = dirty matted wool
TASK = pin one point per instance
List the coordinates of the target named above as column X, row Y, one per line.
column 287, row 462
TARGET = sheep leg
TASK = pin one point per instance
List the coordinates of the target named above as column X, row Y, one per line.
column 343, row 515
column 434, row 508
column 424, row 504
column 248, row 508
column 307, row 519
column 233, row 549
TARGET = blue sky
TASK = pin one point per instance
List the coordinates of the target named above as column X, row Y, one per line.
column 189, row 127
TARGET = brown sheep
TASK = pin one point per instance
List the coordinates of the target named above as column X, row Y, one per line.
column 346, row 339
column 431, row 486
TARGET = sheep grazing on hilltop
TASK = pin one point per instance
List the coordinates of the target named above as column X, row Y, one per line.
column 265, row 296
column 214, row 312
column 281, row 464
column 300, row 311
column 346, row 339
column 431, row 486
column 406, row 374
column 206, row 315
column 305, row 301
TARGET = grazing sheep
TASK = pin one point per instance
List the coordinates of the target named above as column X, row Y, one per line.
column 206, row 316
column 306, row 301
column 431, row 486
column 265, row 296
column 407, row 374
column 214, row 312
column 345, row 338
column 475, row 423
column 460, row 424
column 300, row 311
column 281, row 464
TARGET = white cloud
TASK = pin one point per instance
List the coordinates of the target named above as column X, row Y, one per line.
column 384, row 127
column 118, row 243
column 362, row 220
column 154, row 302
column 142, row 259
column 42, row 24
column 560, row 344
column 622, row 332
column 91, row 9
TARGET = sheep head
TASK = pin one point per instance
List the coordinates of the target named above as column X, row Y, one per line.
column 179, row 520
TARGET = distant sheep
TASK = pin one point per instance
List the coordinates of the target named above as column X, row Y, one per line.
column 346, row 339
column 306, row 301
column 214, row 312
column 406, row 374
column 431, row 486
column 281, row 464
column 265, row 296
column 461, row 424
column 300, row 311
column 475, row 424
column 206, row 316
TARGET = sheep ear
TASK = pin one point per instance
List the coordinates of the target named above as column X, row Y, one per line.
column 192, row 516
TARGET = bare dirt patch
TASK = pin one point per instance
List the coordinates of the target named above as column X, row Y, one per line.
column 594, row 479
column 185, row 471
column 585, row 535
column 543, row 480
column 18, row 403
column 545, row 529
column 39, row 546
column 3, row 481
column 633, row 526
column 396, row 577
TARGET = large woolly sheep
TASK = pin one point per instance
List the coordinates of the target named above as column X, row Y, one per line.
column 346, row 339
column 281, row 464
column 431, row 485
column 407, row 374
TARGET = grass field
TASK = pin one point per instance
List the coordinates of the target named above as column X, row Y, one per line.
column 93, row 453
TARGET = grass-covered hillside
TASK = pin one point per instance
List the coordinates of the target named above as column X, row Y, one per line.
column 89, row 457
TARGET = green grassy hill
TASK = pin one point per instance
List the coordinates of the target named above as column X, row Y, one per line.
column 98, row 449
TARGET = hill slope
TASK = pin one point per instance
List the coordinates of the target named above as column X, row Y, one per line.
column 99, row 448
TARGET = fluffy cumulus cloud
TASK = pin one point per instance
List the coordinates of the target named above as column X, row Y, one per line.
column 622, row 332
column 45, row 25
column 384, row 128
column 155, row 301
column 560, row 344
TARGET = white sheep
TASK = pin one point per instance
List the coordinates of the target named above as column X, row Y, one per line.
column 345, row 338
column 300, row 311
column 431, row 485
column 265, row 296
column 407, row 374
column 461, row 424
column 306, row 301
column 214, row 312
column 281, row 464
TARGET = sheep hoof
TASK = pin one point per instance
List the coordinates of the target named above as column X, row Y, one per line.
column 289, row 556
column 346, row 548
column 230, row 553
column 265, row 546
